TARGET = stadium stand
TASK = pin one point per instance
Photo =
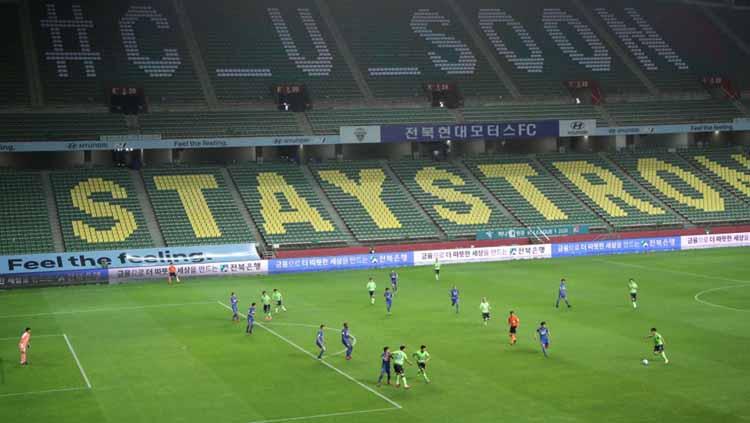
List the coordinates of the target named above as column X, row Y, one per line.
column 736, row 20
column 692, row 194
column 529, row 192
column 373, row 205
column 672, row 112
column 283, row 205
column 608, row 191
column 59, row 126
column 193, row 206
column 542, row 43
column 98, row 209
column 219, row 124
column 672, row 57
column 328, row 121
column 86, row 46
column 248, row 46
column 450, row 197
column 13, row 88
column 424, row 42
column 522, row 112
column 730, row 168
column 24, row 215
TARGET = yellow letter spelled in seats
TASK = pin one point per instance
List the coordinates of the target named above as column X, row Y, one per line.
column 125, row 223
column 737, row 180
column 190, row 189
column 368, row 192
column 478, row 212
column 270, row 184
column 710, row 200
column 517, row 175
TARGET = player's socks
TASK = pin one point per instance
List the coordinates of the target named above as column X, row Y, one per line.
column 664, row 356
column 635, row 305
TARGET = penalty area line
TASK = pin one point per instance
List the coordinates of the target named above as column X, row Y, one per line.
column 47, row 391
column 321, row 416
column 78, row 362
column 313, row 356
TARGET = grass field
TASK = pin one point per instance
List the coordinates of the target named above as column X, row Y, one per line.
column 171, row 354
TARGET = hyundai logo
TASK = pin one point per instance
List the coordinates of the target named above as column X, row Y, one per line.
column 577, row 125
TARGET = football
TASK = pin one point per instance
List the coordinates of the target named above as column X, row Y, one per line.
column 645, row 362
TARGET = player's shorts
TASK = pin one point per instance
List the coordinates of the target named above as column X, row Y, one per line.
column 658, row 348
column 437, row 271
column 266, row 308
column 454, row 301
column 545, row 342
column 385, row 368
column 399, row 369
column 422, row 365
column 321, row 346
column 513, row 329
column 278, row 303
column 486, row 316
column 172, row 274
column 22, row 348
column 633, row 296
column 561, row 295
column 371, row 293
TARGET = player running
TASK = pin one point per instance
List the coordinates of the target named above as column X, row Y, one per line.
column 250, row 319
column 235, row 308
column 399, row 358
column 422, row 357
column 633, row 288
column 346, row 339
column 23, row 346
column 658, row 344
column 371, row 286
column 265, row 299
column 437, row 269
column 172, row 273
column 454, row 298
column 278, row 299
column 394, row 281
column 562, row 294
column 485, row 308
column 543, row 333
column 385, row 366
column 388, row 300
column 513, row 322
column 320, row 342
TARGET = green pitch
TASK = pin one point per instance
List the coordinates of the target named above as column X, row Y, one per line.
column 154, row 353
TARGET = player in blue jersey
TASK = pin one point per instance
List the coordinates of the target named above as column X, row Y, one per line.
column 250, row 319
column 454, row 298
column 320, row 342
column 346, row 339
column 562, row 294
column 394, row 281
column 543, row 334
column 235, row 308
column 385, row 366
column 388, row 299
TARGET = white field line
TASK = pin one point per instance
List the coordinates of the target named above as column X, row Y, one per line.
column 321, row 416
column 32, row 336
column 697, row 297
column 48, row 391
column 78, row 362
column 311, row 355
column 105, row 310
column 307, row 325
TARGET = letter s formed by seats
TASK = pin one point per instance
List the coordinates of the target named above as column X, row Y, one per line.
column 124, row 220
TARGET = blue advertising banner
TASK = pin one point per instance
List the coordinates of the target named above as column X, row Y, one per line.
column 328, row 263
column 92, row 260
column 616, row 246
column 473, row 131
column 61, row 278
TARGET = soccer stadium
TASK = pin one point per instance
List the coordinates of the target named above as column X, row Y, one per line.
column 330, row 211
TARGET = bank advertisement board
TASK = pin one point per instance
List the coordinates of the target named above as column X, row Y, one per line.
column 695, row 242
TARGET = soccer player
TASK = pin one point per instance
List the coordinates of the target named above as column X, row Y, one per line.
column 394, row 281
column 266, row 300
column 346, row 339
column 437, row 269
column 399, row 358
column 250, row 319
column 484, row 307
column 422, row 357
column 513, row 322
column 385, row 366
column 371, row 289
column 320, row 342
column 235, row 307
column 562, row 293
column 658, row 344
column 388, row 299
column 172, row 273
column 454, row 298
column 633, row 287
column 23, row 346
column 278, row 299
column 543, row 333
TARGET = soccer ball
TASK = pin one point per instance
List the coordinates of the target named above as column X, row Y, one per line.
column 645, row 362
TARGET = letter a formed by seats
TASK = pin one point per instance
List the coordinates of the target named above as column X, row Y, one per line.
column 269, row 185
column 125, row 224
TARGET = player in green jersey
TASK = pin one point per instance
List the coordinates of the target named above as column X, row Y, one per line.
column 422, row 357
column 484, row 307
column 633, row 288
column 399, row 358
column 265, row 299
column 278, row 299
column 371, row 286
column 658, row 344
column 437, row 269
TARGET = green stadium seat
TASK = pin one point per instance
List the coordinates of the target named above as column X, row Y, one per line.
column 23, row 211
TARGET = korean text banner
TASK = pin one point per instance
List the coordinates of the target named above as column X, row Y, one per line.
column 57, row 278
column 471, row 255
column 35, row 263
column 469, row 131
column 616, row 246
column 355, row 261
column 693, row 242
column 253, row 267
